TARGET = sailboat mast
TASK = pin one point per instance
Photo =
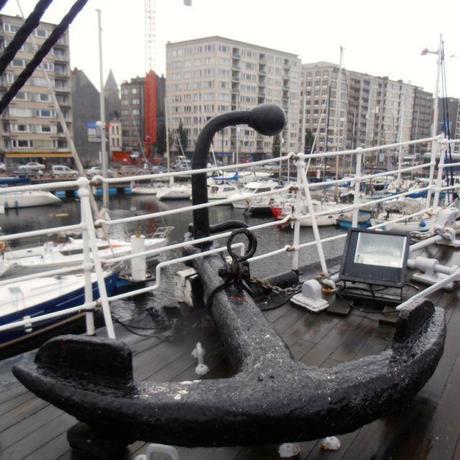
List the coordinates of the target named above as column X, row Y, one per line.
column 105, row 186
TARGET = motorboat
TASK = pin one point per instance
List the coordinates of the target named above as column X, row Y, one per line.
column 144, row 190
column 40, row 296
column 27, row 199
column 69, row 253
column 221, row 191
column 174, row 192
column 245, row 195
column 327, row 218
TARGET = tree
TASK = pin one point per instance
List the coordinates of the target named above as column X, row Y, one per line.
column 182, row 137
column 309, row 140
column 276, row 146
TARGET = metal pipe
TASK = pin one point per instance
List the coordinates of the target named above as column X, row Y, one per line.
column 359, row 160
column 266, row 119
column 87, row 218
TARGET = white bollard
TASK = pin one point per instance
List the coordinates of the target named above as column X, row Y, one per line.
column 331, row 443
column 153, row 449
column 288, row 450
column 139, row 263
column 198, row 353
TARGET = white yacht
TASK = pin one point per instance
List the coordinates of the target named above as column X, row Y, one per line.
column 145, row 189
column 174, row 192
column 282, row 210
column 246, row 193
column 27, row 199
column 221, row 191
column 69, row 253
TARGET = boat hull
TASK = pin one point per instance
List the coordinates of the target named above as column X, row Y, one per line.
column 67, row 300
column 28, row 199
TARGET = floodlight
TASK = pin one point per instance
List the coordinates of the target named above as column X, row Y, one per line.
column 375, row 257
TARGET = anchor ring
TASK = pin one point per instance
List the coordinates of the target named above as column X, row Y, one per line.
column 250, row 250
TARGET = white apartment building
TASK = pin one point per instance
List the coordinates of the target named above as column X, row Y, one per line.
column 30, row 127
column 373, row 110
column 212, row 75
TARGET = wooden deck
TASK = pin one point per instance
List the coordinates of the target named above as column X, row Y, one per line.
column 429, row 429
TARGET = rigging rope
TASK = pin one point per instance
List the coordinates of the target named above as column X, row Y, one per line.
column 23, row 33
column 41, row 53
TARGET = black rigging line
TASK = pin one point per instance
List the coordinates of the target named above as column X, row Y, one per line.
column 2, row 4
column 41, row 53
column 23, row 33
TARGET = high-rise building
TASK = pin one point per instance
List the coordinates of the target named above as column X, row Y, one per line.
column 30, row 126
column 422, row 118
column 212, row 75
column 373, row 110
column 448, row 109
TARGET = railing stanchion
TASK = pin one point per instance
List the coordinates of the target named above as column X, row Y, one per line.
column 89, row 316
column 87, row 217
column 297, row 212
column 311, row 211
column 359, row 161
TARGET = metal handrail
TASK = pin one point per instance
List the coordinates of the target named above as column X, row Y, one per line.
column 92, row 261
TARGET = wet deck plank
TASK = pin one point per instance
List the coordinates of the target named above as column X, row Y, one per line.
column 30, row 428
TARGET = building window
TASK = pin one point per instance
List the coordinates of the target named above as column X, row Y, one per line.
column 10, row 28
column 18, row 62
column 42, row 33
column 20, row 112
column 45, row 113
column 22, row 143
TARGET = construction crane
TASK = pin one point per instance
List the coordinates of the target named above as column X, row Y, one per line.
column 151, row 79
column 150, row 34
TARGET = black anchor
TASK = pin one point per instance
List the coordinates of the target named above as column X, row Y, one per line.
column 271, row 398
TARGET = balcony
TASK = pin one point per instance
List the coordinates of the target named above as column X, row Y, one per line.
column 235, row 64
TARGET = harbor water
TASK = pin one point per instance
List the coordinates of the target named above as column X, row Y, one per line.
column 269, row 239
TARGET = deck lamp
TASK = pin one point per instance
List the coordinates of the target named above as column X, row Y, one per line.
column 375, row 257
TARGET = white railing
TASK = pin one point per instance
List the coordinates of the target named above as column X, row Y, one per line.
column 302, row 187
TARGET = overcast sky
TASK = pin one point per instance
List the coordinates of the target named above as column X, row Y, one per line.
column 382, row 37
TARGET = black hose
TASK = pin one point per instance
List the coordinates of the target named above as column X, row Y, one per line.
column 23, row 33
column 41, row 53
